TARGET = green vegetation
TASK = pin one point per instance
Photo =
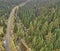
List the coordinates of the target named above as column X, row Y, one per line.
column 38, row 24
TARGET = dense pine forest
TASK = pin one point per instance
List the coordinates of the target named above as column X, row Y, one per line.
column 35, row 25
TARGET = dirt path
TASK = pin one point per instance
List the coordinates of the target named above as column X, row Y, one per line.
column 11, row 17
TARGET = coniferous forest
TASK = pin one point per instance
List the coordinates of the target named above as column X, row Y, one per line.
column 29, row 25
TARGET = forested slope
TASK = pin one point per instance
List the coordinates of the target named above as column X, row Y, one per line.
column 7, row 5
column 43, row 27
column 32, row 10
column 36, row 26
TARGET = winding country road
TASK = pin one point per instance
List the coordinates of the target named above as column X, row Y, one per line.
column 11, row 17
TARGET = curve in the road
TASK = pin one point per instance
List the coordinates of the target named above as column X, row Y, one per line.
column 11, row 17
